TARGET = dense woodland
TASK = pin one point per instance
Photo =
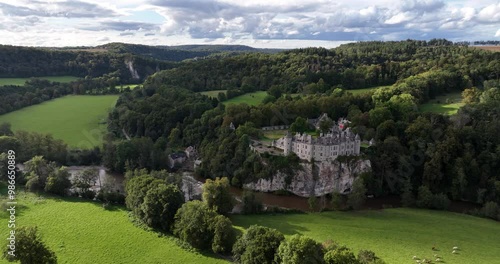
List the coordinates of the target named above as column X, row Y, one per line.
column 418, row 155
column 35, row 62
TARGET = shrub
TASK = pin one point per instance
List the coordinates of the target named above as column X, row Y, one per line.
column 300, row 250
column 490, row 210
column 251, row 204
column 257, row 246
column 224, row 235
column 440, row 201
column 341, row 255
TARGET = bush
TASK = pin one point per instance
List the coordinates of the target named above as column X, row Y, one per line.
column 251, row 204
column 341, row 255
column 300, row 250
column 88, row 194
column 257, row 246
column 368, row 257
column 440, row 201
column 424, row 199
column 490, row 210
column 224, row 235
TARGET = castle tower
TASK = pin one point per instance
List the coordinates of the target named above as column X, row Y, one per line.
column 287, row 144
column 357, row 144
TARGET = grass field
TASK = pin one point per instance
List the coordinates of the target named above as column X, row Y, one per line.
column 444, row 104
column 21, row 81
column 270, row 135
column 395, row 234
column 213, row 94
column 489, row 48
column 254, row 98
column 78, row 120
column 366, row 90
column 131, row 86
column 81, row 232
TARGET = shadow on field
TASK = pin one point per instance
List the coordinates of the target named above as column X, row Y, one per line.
column 285, row 227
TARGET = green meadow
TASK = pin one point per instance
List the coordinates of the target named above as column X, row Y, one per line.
column 130, row 86
column 396, row 235
column 214, row 93
column 21, row 81
column 254, row 98
column 366, row 90
column 78, row 120
column 83, row 232
column 445, row 104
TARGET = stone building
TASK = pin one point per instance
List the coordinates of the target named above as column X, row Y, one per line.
column 337, row 142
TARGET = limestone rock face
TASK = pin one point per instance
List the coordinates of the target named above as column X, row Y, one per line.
column 316, row 179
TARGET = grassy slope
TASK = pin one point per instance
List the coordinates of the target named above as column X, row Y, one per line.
column 439, row 105
column 21, row 81
column 395, row 234
column 81, row 232
column 248, row 98
column 74, row 119
column 213, row 93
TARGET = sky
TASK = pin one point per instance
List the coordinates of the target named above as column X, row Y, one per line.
column 257, row 23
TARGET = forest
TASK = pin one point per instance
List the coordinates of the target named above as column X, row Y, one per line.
column 420, row 156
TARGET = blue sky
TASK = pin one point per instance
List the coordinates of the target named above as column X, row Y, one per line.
column 258, row 23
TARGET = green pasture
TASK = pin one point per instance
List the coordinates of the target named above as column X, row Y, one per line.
column 445, row 104
column 79, row 120
column 83, row 232
column 21, row 81
column 254, row 98
column 396, row 235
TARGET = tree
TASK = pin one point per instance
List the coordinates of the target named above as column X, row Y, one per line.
column 424, row 198
column 58, row 182
column 337, row 201
column 85, row 179
column 5, row 129
column 174, row 139
column 300, row 125
column 193, row 224
column 160, row 206
column 368, row 257
column 257, row 246
column 136, row 190
column 471, row 95
column 325, row 125
column 300, row 250
column 251, row 204
column 30, row 248
column 37, row 171
column 340, row 255
column 357, row 197
column 224, row 235
column 218, row 196
column 9, row 143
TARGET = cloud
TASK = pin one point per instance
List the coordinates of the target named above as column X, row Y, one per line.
column 68, row 9
column 246, row 22
column 122, row 26
column 498, row 33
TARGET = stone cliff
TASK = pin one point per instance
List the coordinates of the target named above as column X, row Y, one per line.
column 318, row 178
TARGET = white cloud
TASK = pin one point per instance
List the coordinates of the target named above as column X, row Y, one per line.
column 257, row 22
column 498, row 33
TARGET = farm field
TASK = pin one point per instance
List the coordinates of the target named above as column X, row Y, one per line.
column 21, row 81
column 396, row 235
column 366, row 90
column 214, row 93
column 254, row 98
column 82, row 232
column 78, row 120
column 490, row 48
column 444, row 104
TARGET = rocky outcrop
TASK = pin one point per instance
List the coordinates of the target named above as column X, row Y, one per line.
column 317, row 178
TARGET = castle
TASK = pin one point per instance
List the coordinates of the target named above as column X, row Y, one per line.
column 337, row 142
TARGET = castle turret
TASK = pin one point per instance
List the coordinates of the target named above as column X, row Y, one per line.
column 287, row 144
column 357, row 144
